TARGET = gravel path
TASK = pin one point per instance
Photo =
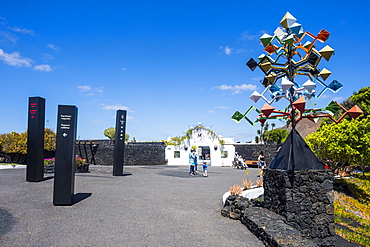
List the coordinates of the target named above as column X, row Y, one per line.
column 149, row 206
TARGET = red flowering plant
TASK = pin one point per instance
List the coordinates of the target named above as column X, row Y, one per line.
column 79, row 161
column 49, row 161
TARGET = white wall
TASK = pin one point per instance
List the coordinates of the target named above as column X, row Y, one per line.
column 201, row 138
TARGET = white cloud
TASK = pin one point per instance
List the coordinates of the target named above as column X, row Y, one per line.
column 10, row 36
column 53, row 47
column 325, row 96
column 84, row 88
column 22, row 30
column 124, row 69
column 6, row 36
column 115, row 107
column 243, row 137
column 240, row 51
column 89, row 91
column 14, row 59
column 43, row 67
column 227, row 50
column 47, row 57
column 238, row 89
column 257, row 79
column 222, row 107
column 247, row 36
column 98, row 89
column 338, row 99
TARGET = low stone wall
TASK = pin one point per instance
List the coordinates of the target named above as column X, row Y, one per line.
column 268, row 226
column 136, row 153
column 153, row 153
column 148, row 153
column 252, row 151
column 304, row 199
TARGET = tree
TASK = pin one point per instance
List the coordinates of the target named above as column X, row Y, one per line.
column 256, row 139
column 347, row 142
column 177, row 140
column 276, row 135
column 261, row 132
column 49, row 140
column 362, row 99
column 14, row 145
column 14, row 142
column 111, row 133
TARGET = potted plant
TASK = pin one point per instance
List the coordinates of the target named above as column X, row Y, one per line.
column 49, row 165
column 81, row 166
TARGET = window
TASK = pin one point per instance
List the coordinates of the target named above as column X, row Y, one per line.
column 176, row 154
column 224, row 154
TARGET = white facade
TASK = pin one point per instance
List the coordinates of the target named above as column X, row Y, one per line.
column 208, row 149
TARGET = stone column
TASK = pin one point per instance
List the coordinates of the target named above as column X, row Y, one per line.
column 305, row 198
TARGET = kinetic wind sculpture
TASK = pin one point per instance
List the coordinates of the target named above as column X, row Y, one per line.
column 287, row 58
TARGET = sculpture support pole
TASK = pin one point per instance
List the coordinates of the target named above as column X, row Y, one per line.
column 291, row 100
column 291, row 90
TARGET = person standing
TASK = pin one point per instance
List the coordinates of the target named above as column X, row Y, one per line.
column 192, row 158
column 205, row 168
column 261, row 162
column 236, row 160
column 195, row 163
column 241, row 163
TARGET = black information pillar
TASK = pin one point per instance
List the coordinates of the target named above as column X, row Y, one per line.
column 35, row 143
column 64, row 173
column 119, row 144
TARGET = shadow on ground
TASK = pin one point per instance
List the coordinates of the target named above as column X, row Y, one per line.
column 80, row 197
column 6, row 222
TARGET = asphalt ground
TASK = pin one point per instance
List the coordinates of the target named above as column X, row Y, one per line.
column 148, row 206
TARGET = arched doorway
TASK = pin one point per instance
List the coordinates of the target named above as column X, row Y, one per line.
column 204, row 154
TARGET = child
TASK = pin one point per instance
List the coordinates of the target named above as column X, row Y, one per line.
column 205, row 169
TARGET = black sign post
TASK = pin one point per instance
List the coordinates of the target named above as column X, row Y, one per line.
column 64, row 173
column 119, row 144
column 35, row 143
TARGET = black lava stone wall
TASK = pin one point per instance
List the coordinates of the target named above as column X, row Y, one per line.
column 305, row 199
column 151, row 154
column 136, row 153
column 252, row 151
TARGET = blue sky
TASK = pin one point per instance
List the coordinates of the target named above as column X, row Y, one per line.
column 170, row 64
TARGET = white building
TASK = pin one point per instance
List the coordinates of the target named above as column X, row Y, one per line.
column 210, row 148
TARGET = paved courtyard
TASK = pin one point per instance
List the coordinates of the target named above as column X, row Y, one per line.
column 148, row 206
